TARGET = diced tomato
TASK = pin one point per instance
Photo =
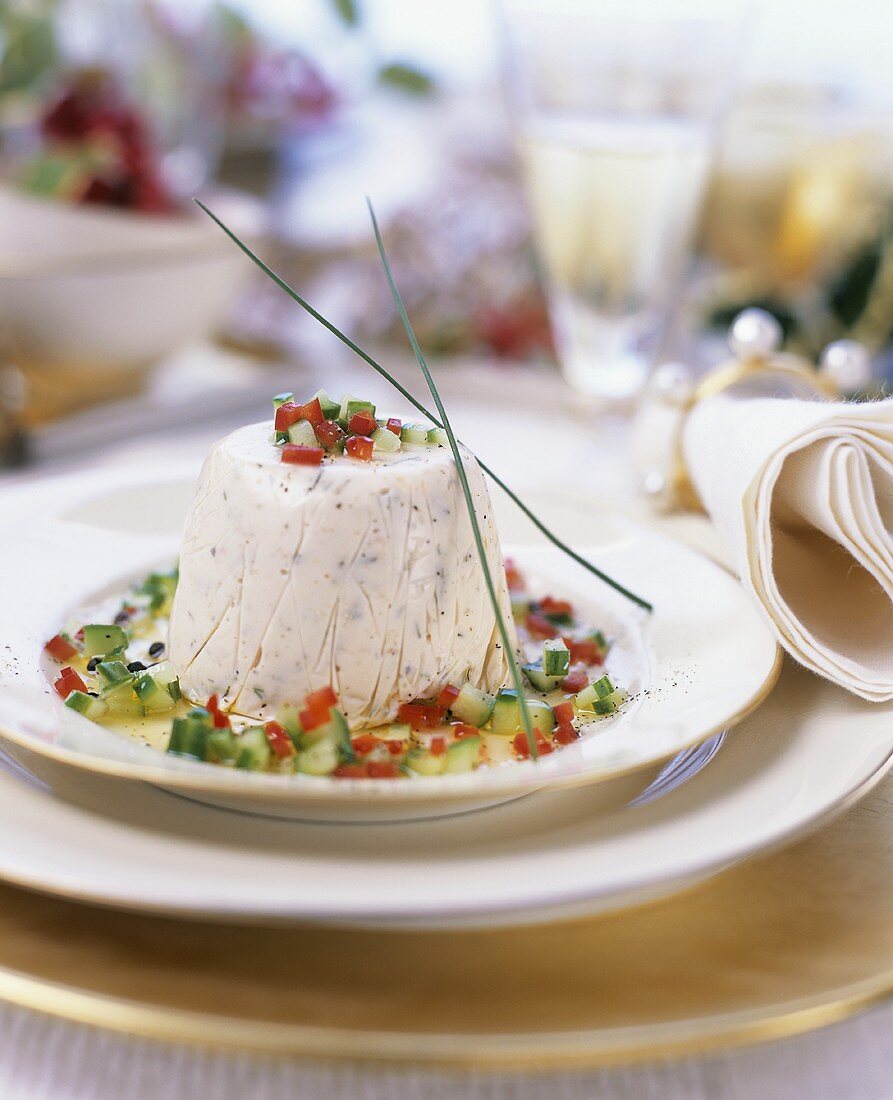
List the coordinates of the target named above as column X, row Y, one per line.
column 310, row 720
column 396, row 748
column 565, row 734
column 514, row 577
column 60, row 649
column 522, row 745
column 394, row 425
column 575, row 680
column 448, row 696
column 437, row 746
column 298, row 455
column 556, row 609
column 358, row 446
column 220, row 720
column 79, row 636
column 365, row 743
column 281, row 744
column 68, row 682
column 421, row 715
column 362, row 423
column 414, row 714
column 564, row 713
column 324, row 699
column 312, row 411
column 463, row 730
column 318, row 708
column 384, row 769
column 351, row 771
column 329, row 433
column 539, row 626
column 287, row 414
column 585, row 650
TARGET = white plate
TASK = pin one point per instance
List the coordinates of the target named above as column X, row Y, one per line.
column 698, row 664
column 810, row 751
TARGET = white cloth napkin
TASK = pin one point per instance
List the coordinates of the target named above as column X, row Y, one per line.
column 802, row 493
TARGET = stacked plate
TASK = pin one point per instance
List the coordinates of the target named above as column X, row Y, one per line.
column 709, row 767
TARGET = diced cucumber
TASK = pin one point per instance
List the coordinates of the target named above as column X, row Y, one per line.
column 462, row 755
column 89, row 705
column 189, row 736
column 383, row 439
column 610, row 704
column 336, row 731
column 101, row 639
column 302, row 433
column 396, row 731
column 600, row 698
column 520, row 607
column 540, row 680
column 352, row 405
column 254, row 750
column 122, row 702
column 423, row 762
column 282, row 399
column 113, row 672
column 506, row 720
column 437, row 437
column 160, row 588
column 151, row 694
column 163, row 674
column 331, row 409
column 472, row 705
column 321, row 758
column 599, row 689
column 221, row 747
column 287, row 717
column 542, row 717
column 556, row 657
column 414, row 433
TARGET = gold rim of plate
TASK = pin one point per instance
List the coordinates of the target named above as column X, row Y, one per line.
column 776, row 946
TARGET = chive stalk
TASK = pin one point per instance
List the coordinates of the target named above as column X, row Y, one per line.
column 346, row 340
column 466, row 490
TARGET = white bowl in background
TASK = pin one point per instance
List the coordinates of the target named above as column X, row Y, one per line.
column 104, row 291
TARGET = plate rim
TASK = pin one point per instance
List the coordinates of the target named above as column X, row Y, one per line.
column 569, row 906
column 491, row 1052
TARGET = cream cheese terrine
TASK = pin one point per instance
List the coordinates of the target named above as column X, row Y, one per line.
column 330, row 582
column 362, row 575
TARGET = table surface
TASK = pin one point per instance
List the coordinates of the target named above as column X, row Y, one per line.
column 42, row 1058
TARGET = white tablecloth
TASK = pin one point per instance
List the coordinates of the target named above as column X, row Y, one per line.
column 46, row 1059
column 42, row 1058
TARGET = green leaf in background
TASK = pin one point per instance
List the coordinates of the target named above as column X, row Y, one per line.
column 27, row 48
column 851, row 290
column 406, row 77
column 50, row 176
column 348, row 11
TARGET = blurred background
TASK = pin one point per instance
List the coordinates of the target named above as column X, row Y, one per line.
column 571, row 192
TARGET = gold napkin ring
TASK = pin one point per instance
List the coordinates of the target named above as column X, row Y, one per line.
column 755, row 338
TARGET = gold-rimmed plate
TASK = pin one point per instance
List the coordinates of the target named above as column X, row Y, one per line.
column 790, row 942
column 552, row 855
column 699, row 664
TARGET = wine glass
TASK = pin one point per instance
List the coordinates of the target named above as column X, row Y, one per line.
column 616, row 108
